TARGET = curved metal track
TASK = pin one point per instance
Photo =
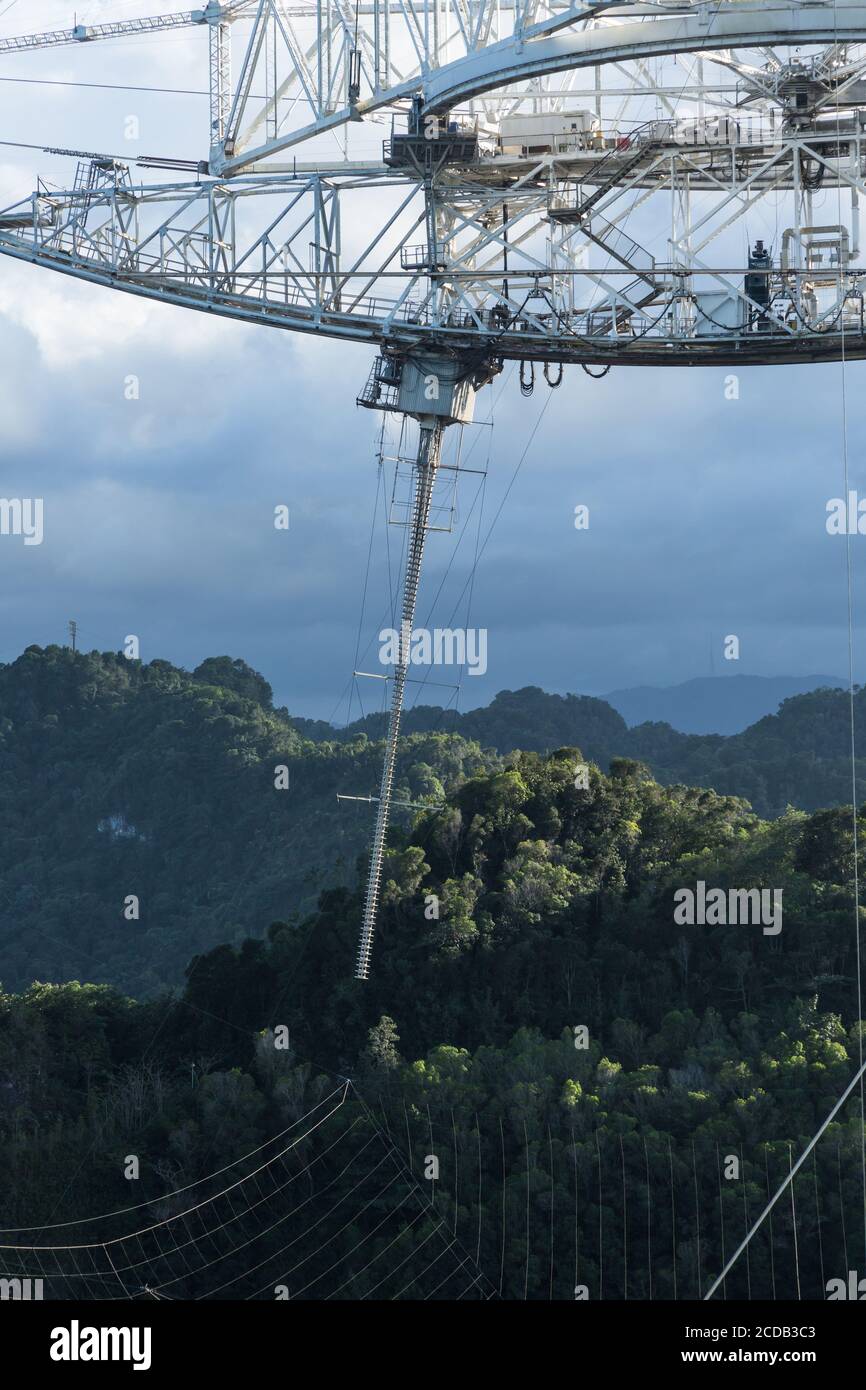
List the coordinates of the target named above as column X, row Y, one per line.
column 701, row 28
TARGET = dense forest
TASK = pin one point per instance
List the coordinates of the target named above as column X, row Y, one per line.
column 594, row 1096
column 122, row 780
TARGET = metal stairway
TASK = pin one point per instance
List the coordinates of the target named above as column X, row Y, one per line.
column 616, row 170
column 626, row 251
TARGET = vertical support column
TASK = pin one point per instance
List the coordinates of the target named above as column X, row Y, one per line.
column 377, row 46
column 798, row 223
column 431, row 226
column 220, row 80
column 426, row 465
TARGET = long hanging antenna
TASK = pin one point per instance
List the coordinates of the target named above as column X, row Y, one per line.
column 425, row 468
column 437, row 391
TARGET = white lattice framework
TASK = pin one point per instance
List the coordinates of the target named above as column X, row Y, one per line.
column 620, row 241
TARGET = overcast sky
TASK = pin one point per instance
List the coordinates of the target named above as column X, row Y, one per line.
column 707, row 515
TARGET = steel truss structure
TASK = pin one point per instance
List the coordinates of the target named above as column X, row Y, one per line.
column 551, row 182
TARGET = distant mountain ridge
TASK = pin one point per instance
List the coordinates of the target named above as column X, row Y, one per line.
column 714, row 704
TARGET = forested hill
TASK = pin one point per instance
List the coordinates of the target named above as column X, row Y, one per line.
column 122, row 781
column 528, row 720
column 799, row 757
